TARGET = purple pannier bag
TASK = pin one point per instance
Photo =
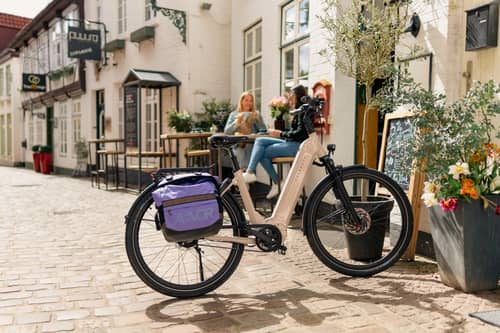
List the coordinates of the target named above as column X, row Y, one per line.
column 188, row 206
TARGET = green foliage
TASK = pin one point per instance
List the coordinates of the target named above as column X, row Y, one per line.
column 81, row 150
column 217, row 112
column 181, row 121
column 45, row 149
column 454, row 144
column 361, row 40
column 35, row 148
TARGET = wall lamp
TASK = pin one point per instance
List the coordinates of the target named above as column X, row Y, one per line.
column 205, row 6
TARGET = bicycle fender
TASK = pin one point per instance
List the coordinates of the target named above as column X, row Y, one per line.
column 146, row 192
column 327, row 178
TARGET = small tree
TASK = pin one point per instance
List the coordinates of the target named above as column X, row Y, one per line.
column 361, row 41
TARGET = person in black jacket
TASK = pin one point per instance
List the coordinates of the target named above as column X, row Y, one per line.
column 280, row 144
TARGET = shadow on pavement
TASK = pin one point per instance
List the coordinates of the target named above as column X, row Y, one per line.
column 244, row 312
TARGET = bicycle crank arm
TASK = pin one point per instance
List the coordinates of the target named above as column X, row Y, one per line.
column 227, row 239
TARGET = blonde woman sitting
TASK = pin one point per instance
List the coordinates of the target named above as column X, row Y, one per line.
column 245, row 120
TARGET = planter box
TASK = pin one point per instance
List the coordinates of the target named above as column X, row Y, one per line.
column 467, row 245
column 143, row 33
column 116, row 44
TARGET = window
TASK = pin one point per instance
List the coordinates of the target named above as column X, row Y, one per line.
column 42, row 53
column 63, row 130
column 56, row 40
column 295, row 41
column 253, row 62
column 2, row 135
column 8, row 80
column 9, row 134
column 76, row 122
column 295, row 18
column 1, row 81
column 149, row 13
column 122, row 16
column 152, row 120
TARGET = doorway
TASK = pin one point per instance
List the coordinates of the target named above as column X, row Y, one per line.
column 100, row 115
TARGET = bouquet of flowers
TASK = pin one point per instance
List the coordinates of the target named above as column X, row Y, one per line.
column 279, row 106
column 471, row 180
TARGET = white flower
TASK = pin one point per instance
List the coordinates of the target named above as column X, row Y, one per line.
column 495, row 185
column 429, row 199
column 431, row 187
column 459, row 169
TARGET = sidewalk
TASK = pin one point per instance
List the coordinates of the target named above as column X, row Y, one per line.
column 63, row 267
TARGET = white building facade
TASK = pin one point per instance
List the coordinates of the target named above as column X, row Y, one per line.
column 55, row 117
column 11, row 116
column 196, row 52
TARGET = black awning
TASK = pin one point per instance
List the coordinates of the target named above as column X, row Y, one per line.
column 150, row 79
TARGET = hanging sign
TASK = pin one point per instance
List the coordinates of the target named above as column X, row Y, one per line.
column 84, row 44
column 34, row 82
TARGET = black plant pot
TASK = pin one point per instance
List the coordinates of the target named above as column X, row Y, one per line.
column 368, row 246
column 466, row 243
column 279, row 124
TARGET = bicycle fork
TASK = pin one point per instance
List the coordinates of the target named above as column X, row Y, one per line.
column 339, row 189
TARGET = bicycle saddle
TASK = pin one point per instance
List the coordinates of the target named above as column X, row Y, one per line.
column 221, row 140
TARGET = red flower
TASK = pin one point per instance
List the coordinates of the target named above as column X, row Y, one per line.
column 497, row 210
column 448, row 205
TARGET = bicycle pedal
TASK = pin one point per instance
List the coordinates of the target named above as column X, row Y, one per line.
column 282, row 250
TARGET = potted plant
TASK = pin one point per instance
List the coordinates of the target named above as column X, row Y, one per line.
column 217, row 112
column 280, row 107
column 361, row 40
column 36, row 157
column 455, row 148
column 180, row 121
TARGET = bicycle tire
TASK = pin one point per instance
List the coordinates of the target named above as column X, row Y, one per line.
column 233, row 220
column 328, row 246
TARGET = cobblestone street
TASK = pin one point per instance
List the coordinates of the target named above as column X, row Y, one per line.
column 63, row 267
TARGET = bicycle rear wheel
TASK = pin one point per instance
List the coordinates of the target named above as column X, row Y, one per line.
column 182, row 269
column 359, row 250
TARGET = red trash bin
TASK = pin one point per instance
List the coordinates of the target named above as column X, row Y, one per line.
column 36, row 158
column 46, row 159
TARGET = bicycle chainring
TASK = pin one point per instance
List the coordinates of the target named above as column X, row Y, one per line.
column 355, row 228
column 274, row 234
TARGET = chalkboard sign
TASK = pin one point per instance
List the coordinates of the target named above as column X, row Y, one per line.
column 395, row 160
column 131, row 116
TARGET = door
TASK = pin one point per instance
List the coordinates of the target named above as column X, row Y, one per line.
column 100, row 116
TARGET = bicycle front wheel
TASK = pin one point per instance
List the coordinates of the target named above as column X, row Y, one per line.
column 366, row 248
column 182, row 269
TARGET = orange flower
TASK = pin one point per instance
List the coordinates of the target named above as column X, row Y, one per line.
column 469, row 189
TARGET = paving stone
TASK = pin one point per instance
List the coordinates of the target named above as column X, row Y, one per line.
column 66, row 269
column 58, row 327
column 72, row 314
column 32, row 318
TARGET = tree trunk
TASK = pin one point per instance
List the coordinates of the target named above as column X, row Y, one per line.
column 364, row 144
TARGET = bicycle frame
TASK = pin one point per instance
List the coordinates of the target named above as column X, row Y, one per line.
column 309, row 150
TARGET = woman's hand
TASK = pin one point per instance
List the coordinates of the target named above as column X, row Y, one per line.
column 274, row 133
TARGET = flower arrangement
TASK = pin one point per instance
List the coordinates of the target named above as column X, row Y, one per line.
column 455, row 145
column 279, row 106
column 471, row 180
column 181, row 121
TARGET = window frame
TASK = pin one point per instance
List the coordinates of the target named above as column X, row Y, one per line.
column 298, row 40
column 252, row 62
column 63, row 129
column 122, row 16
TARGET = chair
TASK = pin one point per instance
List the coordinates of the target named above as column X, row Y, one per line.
column 199, row 156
